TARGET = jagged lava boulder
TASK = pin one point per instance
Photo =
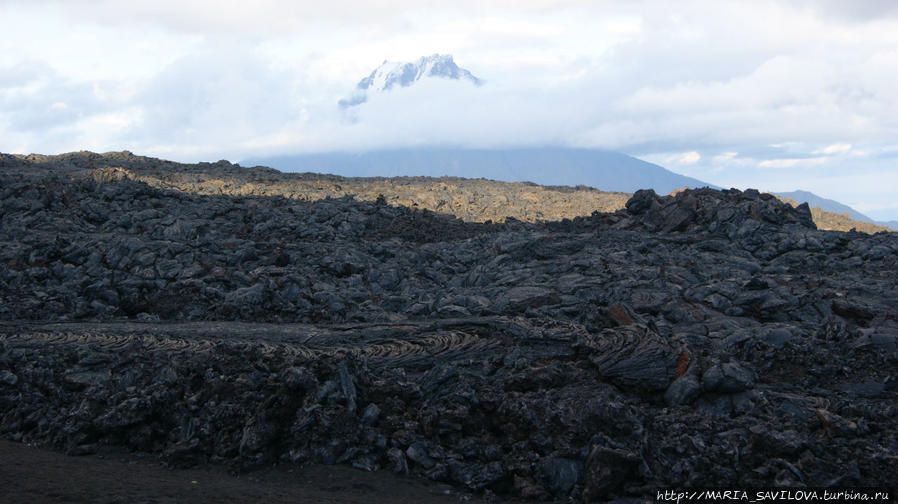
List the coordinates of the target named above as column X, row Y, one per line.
column 712, row 211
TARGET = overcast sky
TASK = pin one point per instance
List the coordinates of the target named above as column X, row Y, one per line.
column 776, row 95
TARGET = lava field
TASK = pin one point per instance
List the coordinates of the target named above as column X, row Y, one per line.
column 711, row 338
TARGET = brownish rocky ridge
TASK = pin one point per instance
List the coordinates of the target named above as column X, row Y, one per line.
column 472, row 200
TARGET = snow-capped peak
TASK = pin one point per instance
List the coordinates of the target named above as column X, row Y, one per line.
column 392, row 74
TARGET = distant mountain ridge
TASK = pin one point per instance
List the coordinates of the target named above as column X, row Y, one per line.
column 553, row 166
column 391, row 74
column 825, row 204
column 834, row 206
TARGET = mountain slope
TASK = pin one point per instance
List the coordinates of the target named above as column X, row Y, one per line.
column 608, row 171
column 833, row 206
column 825, row 204
column 391, row 74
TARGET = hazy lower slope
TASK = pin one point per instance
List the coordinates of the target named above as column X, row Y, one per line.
column 610, row 171
column 842, row 213
column 825, row 204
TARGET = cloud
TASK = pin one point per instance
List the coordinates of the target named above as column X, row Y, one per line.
column 836, row 148
column 23, row 73
column 860, row 11
column 685, row 158
column 758, row 93
column 34, row 98
column 792, row 162
column 478, row 116
column 211, row 100
column 278, row 17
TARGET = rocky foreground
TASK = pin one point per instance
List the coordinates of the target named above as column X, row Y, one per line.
column 708, row 338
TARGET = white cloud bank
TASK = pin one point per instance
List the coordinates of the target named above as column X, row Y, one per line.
column 768, row 94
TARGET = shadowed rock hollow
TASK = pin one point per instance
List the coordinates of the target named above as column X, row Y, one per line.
column 707, row 338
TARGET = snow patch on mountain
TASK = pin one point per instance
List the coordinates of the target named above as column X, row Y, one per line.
column 392, row 74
